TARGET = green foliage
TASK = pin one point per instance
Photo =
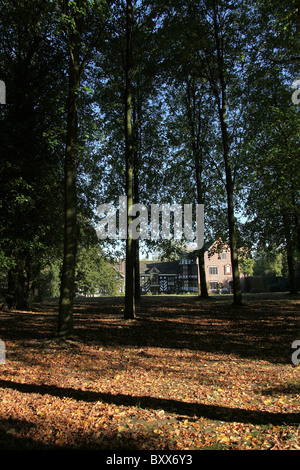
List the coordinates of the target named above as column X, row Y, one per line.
column 246, row 265
column 268, row 264
column 95, row 275
column 31, row 190
column 180, row 78
column 48, row 282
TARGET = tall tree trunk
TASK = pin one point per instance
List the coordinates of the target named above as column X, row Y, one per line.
column 136, row 242
column 136, row 269
column 20, row 288
column 289, row 253
column 200, row 200
column 222, row 110
column 198, row 161
column 237, row 291
column 16, row 296
column 129, row 154
column 202, row 289
column 136, row 155
column 10, row 295
column 67, row 291
column 296, row 219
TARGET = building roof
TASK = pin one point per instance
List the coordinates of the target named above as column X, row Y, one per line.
column 161, row 267
column 164, row 267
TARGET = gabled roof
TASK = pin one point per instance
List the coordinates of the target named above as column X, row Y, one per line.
column 160, row 267
column 153, row 270
column 192, row 251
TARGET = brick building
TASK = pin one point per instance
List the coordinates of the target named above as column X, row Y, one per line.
column 159, row 277
column 218, row 268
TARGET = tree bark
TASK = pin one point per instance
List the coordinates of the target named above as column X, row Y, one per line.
column 129, row 155
column 16, row 296
column 200, row 200
column 289, row 253
column 202, row 289
column 136, row 247
column 67, row 291
column 222, row 110
column 136, row 156
column 237, row 291
column 296, row 219
column 198, row 161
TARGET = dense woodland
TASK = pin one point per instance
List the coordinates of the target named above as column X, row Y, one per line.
column 161, row 101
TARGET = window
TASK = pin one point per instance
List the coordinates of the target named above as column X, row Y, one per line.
column 194, row 269
column 224, row 255
column 213, row 270
column 171, row 281
column 213, row 285
column 227, row 269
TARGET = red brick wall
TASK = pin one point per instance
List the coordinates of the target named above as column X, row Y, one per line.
column 217, row 262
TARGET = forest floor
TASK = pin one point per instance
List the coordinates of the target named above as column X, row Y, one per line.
column 187, row 374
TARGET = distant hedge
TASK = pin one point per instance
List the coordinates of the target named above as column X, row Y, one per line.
column 257, row 284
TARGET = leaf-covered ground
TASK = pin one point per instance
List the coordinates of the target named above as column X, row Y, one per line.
column 186, row 374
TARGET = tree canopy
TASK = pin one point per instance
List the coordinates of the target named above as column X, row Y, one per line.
column 164, row 102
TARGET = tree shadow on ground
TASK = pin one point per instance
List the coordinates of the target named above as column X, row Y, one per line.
column 259, row 330
column 10, row 440
column 196, row 410
column 289, row 389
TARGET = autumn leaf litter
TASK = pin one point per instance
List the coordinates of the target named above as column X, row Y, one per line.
column 186, row 374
